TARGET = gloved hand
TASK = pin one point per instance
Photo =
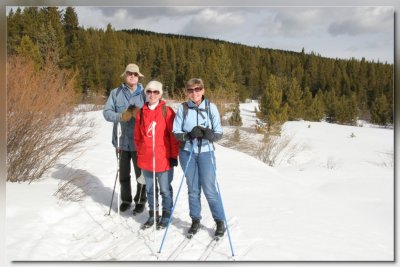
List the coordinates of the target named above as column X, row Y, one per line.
column 131, row 108
column 182, row 136
column 207, row 133
column 127, row 114
column 173, row 162
column 196, row 132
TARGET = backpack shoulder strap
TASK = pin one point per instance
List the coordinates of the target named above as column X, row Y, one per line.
column 185, row 109
column 164, row 111
column 185, row 112
column 118, row 91
column 141, row 116
column 207, row 103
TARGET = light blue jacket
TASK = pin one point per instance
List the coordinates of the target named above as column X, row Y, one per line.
column 119, row 100
column 197, row 117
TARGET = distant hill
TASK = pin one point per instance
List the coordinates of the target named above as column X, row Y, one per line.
column 99, row 56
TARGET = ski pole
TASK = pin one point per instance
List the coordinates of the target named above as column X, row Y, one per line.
column 176, row 199
column 216, row 182
column 220, row 197
column 152, row 128
column 119, row 184
column 117, row 174
column 112, row 196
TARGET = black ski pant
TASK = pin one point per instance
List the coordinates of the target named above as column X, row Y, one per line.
column 125, row 178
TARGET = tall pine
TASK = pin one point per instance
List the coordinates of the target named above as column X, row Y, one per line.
column 295, row 101
column 273, row 111
column 381, row 111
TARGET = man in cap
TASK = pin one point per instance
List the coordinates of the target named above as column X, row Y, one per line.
column 121, row 107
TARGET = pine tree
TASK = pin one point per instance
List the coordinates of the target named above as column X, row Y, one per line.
column 71, row 32
column 29, row 50
column 242, row 69
column 330, row 101
column 294, row 101
column 297, row 71
column 180, row 67
column 112, row 65
column 346, row 110
column 308, row 101
column 272, row 110
column 54, row 22
column 192, row 66
column 251, row 74
column 170, row 70
column 316, row 110
column 381, row 112
column 32, row 19
column 48, row 44
column 14, row 30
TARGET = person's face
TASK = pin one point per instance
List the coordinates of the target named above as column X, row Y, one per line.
column 131, row 78
column 153, row 95
column 195, row 93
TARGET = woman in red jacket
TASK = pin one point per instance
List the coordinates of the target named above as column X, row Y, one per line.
column 157, row 151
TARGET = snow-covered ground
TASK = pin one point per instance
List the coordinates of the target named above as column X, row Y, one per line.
column 329, row 197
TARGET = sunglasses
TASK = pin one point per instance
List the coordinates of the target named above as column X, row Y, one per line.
column 196, row 89
column 128, row 73
column 149, row 92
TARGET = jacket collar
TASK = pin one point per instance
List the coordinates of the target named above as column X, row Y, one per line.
column 160, row 104
column 139, row 88
column 191, row 104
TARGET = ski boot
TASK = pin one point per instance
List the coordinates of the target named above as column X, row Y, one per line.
column 193, row 228
column 219, row 232
column 150, row 221
column 138, row 209
column 164, row 220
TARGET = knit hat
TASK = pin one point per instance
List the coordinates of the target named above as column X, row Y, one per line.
column 154, row 85
column 132, row 68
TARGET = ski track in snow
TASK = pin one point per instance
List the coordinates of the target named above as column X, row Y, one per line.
column 333, row 201
column 113, row 240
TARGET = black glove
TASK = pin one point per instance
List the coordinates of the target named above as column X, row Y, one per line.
column 207, row 133
column 196, row 132
column 173, row 162
column 182, row 136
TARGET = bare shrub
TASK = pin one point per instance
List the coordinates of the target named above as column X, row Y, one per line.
column 92, row 101
column 331, row 163
column 276, row 149
column 224, row 99
column 179, row 95
column 236, row 135
column 73, row 189
column 41, row 125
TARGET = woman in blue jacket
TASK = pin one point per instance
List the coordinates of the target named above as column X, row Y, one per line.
column 197, row 125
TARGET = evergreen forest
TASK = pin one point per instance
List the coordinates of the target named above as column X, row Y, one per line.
column 289, row 85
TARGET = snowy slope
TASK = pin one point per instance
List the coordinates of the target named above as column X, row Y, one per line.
column 332, row 200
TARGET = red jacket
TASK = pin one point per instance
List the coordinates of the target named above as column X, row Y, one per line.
column 166, row 146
